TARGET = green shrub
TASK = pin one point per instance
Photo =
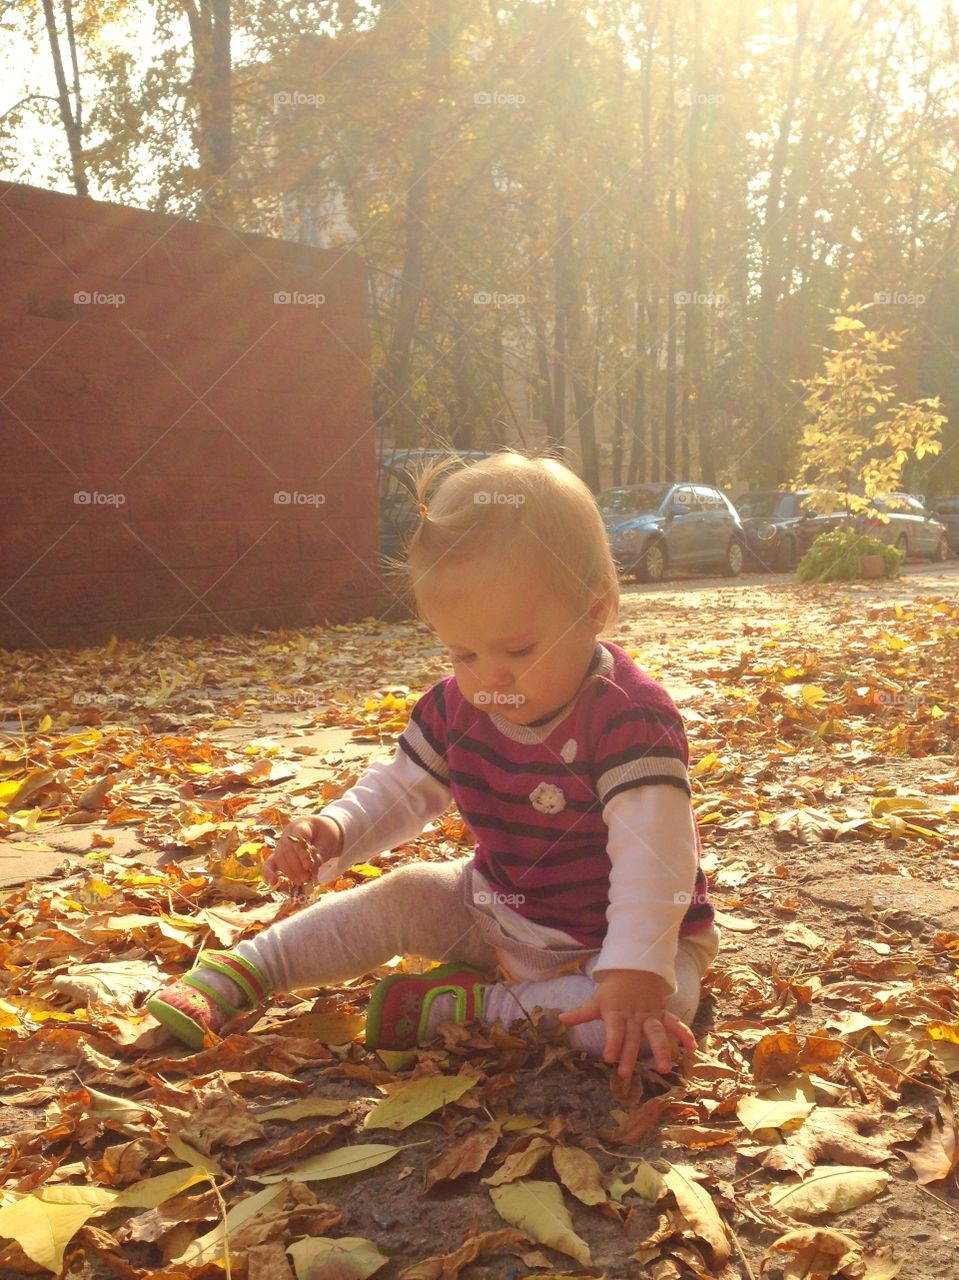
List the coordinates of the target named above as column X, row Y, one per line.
column 834, row 556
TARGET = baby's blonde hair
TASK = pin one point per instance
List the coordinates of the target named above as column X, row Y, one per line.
column 507, row 506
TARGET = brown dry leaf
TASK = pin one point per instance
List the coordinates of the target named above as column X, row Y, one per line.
column 818, row 1254
column 217, row 1117
column 937, row 1155
column 466, row 1155
column 843, row 1135
column 579, row 1174
column 641, row 1121
column 783, row 1052
column 268, row 1261
column 698, row 1209
column 297, row 1144
column 696, row 1137
column 447, row 1266
column 519, row 1163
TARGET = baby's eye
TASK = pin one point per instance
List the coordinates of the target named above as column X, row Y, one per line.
column 462, row 657
column 521, row 653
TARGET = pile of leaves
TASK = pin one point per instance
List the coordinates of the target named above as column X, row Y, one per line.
column 810, row 1130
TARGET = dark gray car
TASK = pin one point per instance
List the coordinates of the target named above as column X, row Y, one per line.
column 655, row 527
column 909, row 526
column 946, row 510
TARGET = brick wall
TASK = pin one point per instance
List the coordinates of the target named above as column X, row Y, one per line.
column 147, row 431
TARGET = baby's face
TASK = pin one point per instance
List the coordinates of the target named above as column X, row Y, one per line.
column 516, row 649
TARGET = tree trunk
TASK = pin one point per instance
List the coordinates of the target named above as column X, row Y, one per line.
column 72, row 120
column 210, row 36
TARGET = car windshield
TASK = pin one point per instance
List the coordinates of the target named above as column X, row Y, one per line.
column 766, row 504
column 637, row 501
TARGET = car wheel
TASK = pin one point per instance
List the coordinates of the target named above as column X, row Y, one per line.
column 786, row 556
column 652, row 563
column 733, row 560
column 902, row 544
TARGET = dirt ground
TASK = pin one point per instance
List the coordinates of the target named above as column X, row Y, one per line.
column 823, row 725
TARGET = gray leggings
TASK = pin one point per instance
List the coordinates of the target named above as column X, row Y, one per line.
column 425, row 909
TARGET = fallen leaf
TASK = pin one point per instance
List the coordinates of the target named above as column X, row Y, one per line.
column 340, row 1258
column 447, row 1266
column 938, row 1152
column 209, row 1248
column 335, row 1164
column 411, row 1101
column 465, row 1155
column 537, row 1209
column 579, row 1174
column 818, row 1253
column 697, row 1207
column 829, row 1189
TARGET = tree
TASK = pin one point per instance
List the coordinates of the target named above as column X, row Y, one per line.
column 857, row 443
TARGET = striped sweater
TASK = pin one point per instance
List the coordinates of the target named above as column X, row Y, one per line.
column 534, row 795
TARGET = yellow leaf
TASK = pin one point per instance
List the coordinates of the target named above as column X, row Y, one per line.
column 153, row 1191
column 44, row 724
column 43, row 1229
column 766, row 1113
column 350, row 1256
column 368, row 872
column 209, row 1248
column 829, row 1189
column 411, row 1101
column 305, row 1107
column 696, row 1205
column 943, row 1031
column 538, row 1209
column 812, row 694
column 579, row 1174
column 335, row 1164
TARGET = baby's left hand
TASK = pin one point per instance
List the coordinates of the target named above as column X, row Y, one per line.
column 631, row 1003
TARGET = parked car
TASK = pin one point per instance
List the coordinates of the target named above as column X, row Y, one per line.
column 946, row 510
column 653, row 527
column 909, row 527
column 398, row 509
column 780, row 529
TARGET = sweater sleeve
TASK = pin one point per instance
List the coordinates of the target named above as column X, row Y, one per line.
column 389, row 804
column 394, row 800
column 653, row 861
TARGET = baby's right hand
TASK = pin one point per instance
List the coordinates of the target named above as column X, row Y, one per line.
column 302, row 847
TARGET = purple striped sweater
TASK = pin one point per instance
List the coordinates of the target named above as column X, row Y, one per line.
column 533, row 795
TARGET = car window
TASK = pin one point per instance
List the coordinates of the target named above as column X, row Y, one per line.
column 635, row 501
column 710, row 499
column 946, row 507
column 760, row 504
column 685, row 498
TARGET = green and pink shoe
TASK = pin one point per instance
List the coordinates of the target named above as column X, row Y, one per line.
column 397, row 1017
column 398, row 1014
column 191, row 1009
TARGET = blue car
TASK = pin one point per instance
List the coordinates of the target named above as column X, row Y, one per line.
column 656, row 527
